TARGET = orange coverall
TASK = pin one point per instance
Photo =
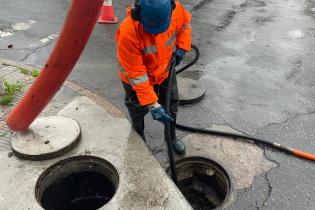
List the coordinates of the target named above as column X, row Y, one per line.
column 144, row 58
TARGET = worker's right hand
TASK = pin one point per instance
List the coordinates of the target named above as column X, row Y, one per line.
column 159, row 113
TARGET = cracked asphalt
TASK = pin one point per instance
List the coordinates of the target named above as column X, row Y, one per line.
column 257, row 64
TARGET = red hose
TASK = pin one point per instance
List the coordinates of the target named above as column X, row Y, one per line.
column 76, row 31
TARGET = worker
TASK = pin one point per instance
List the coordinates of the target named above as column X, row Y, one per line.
column 147, row 38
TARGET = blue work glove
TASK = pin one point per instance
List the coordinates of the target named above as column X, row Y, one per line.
column 159, row 113
column 180, row 54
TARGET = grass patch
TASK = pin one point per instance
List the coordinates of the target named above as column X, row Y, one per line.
column 33, row 73
column 24, row 71
column 10, row 90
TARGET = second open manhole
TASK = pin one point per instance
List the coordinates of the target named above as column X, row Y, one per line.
column 204, row 183
column 77, row 183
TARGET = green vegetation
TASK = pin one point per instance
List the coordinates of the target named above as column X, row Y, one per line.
column 10, row 90
column 24, row 71
column 33, row 73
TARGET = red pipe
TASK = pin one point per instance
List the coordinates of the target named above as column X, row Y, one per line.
column 76, row 31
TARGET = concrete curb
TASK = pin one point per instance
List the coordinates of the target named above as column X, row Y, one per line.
column 7, row 62
column 108, row 136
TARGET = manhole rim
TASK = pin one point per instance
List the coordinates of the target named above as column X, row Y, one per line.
column 105, row 164
column 217, row 166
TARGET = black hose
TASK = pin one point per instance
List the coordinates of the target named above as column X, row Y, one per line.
column 197, row 55
column 255, row 140
column 221, row 133
column 168, row 124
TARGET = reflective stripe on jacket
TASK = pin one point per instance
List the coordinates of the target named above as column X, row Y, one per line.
column 144, row 58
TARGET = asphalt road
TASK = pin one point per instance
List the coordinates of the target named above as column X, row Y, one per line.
column 257, row 64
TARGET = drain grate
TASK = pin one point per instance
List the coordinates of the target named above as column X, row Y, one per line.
column 77, row 183
column 203, row 182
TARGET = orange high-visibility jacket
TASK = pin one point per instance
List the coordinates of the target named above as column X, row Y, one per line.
column 144, row 58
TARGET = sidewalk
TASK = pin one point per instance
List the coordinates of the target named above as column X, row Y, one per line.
column 106, row 134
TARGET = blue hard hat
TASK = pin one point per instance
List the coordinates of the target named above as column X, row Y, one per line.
column 155, row 15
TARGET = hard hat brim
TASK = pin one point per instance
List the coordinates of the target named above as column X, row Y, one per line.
column 156, row 29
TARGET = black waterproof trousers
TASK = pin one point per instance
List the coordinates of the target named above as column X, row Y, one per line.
column 137, row 112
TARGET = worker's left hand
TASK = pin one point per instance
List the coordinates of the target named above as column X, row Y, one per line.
column 180, row 54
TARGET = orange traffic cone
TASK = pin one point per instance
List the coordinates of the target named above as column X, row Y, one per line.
column 108, row 13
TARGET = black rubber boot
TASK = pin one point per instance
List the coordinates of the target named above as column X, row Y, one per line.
column 178, row 146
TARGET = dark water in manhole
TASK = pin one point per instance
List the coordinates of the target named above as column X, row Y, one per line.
column 78, row 191
column 202, row 191
column 77, row 183
column 204, row 183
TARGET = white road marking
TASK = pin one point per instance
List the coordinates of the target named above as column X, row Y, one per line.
column 33, row 45
column 296, row 34
column 5, row 33
column 49, row 38
column 16, row 27
column 23, row 26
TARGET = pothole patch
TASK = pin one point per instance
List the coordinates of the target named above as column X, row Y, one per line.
column 241, row 159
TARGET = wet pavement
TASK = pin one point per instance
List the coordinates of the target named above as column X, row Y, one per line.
column 256, row 63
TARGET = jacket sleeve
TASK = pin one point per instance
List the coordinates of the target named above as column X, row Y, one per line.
column 131, row 66
column 184, row 29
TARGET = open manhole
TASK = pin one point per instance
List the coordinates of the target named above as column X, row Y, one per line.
column 77, row 183
column 204, row 183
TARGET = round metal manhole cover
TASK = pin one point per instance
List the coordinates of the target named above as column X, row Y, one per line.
column 77, row 183
column 204, row 183
column 190, row 91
